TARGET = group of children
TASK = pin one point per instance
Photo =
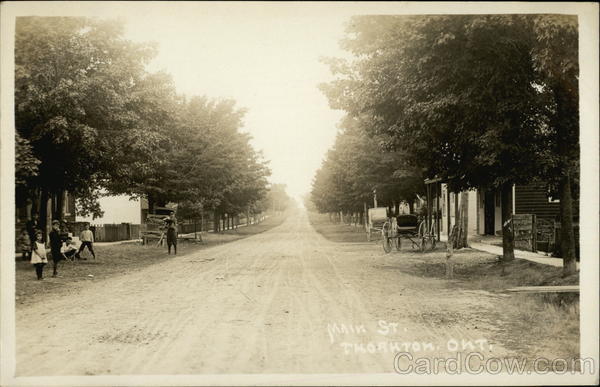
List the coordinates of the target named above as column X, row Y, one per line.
column 62, row 247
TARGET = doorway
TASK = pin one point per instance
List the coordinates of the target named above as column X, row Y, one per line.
column 489, row 213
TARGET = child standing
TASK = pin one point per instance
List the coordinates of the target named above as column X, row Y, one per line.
column 38, row 256
column 87, row 239
column 24, row 244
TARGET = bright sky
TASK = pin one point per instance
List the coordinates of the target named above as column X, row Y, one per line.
column 267, row 59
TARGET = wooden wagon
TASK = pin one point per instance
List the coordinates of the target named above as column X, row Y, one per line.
column 395, row 228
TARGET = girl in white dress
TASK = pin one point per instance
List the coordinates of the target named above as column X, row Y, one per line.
column 38, row 255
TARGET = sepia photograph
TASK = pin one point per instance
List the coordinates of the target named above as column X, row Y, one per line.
column 299, row 193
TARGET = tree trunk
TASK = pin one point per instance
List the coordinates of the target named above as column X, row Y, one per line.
column 151, row 204
column 396, row 208
column 566, row 99
column 464, row 218
column 450, row 252
column 44, row 222
column 508, row 238
column 35, row 204
column 60, row 205
column 216, row 221
column 567, row 236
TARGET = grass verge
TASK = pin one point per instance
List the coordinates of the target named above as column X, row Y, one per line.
column 336, row 232
column 116, row 259
column 533, row 325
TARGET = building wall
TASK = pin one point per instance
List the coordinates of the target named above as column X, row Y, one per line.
column 527, row 199
column 533, row 199
column 472, row 211
column 480, row 213
column 498, row 213
column 117, row 209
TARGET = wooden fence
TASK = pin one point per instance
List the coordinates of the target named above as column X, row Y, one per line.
column 206, row 224
column 115, row 232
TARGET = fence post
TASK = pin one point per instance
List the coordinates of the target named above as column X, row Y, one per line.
column 534, row 233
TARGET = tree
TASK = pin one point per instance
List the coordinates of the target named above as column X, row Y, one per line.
column 555, row 53
column 73, row 84
column 26, row 168
column 457, row 93
column 148, row 148
column 357, row 165
column 98, row 122
column 277, row 198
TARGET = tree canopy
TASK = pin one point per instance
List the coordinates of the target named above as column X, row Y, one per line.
column 356, row 166
column 91, row 119
column 480, row 101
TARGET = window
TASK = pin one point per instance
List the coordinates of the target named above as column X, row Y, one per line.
column 552, row 196
column 67, row 204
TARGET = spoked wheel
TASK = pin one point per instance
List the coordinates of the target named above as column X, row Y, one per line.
column 421, row 236
column 386, row 240
column 428, row 243
column 387, row 244
column 422, row 243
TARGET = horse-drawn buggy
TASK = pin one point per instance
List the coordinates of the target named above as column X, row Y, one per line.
column 395, row 228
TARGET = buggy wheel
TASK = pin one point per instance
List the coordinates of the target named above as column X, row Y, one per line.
column 421, row 230
column 394, row 243
column 387, row 244
column 422, row 242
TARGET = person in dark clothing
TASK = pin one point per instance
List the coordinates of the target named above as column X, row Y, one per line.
column 171, row 225
column 56, row 242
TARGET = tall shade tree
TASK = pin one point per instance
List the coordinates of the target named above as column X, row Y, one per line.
column 460, row 94
column 356, row 166
column 73, row 87
column 207, row 163
column 555, row 56
column 91, row 119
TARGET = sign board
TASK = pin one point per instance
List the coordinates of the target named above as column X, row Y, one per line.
column 524, row 228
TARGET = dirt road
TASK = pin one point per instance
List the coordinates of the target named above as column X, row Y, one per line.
column 286, row 300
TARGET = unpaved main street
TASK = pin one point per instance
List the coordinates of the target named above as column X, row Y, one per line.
column 264, row 304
